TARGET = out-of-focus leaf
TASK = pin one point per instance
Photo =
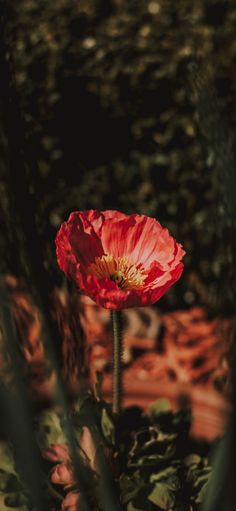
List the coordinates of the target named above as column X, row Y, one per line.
column 108, row 428
column 202, row 493
column 130, row 486
column 197, row 476
column 132, row 507
column 15, row 502
column 5, row 507
column 192, row 459
column 159, row 406
column 8, row 482
column 202, row 477
column 163, row 474
column 98, row 385
column 162, row 496
column 153, row 459
column 4, row 478
column 49, row 430
column 7, row 463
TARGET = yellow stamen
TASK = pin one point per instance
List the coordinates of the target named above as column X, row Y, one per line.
column 126, row 275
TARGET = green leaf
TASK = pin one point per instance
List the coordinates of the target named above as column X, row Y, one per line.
column 8, row 482
column 7, row 463
column 4, row 478
column 108, row 428
column 169, row 477
column 163, row 474
column 3, row 505
column 98, row 385
column 202, row 477
column 202, row 494
column 159, row 406
column 132, row 507
column 130, row 487
column 15, row 502
column 192, row 459
column 153, row 459
column 49, row 430
column 162, row 496
column 15, row 499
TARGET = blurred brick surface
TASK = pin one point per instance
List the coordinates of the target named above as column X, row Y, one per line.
column 181, row 355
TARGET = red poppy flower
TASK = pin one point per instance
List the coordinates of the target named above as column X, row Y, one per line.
column 118, row 260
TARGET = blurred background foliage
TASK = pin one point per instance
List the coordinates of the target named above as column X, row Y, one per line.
column 123, row 105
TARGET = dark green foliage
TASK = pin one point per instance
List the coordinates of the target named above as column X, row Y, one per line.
column 156, row 467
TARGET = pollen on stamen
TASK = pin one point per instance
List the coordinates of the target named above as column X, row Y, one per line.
column 126, row 275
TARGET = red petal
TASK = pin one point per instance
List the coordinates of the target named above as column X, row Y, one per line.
column 157, row 292
column 88, row 219
column 116, row 235
column 108, row 295
column 142, row 239
column 65, row 256
column 77, row 242
column 154, row 273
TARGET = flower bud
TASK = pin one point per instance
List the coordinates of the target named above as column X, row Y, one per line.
column 62, row 474
column 56, row 452
column 71, row 501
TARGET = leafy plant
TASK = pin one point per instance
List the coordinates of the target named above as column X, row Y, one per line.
column 154, row 462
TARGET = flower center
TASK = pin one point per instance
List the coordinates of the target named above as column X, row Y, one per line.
column 126, row 275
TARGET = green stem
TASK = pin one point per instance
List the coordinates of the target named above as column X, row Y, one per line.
column 117, row 360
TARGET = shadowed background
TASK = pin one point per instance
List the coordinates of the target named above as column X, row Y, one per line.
column 109, row 104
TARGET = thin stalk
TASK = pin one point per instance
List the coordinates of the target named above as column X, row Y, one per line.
column 117, row 361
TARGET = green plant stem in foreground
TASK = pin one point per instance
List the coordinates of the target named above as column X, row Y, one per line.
column 117, row 361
